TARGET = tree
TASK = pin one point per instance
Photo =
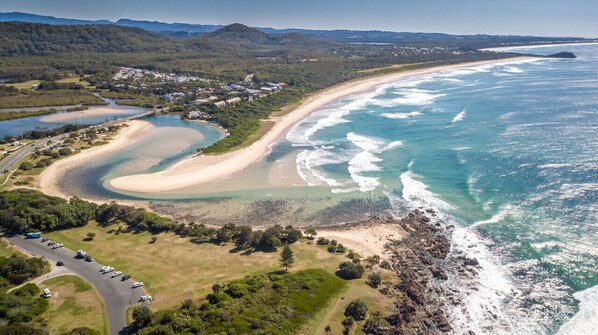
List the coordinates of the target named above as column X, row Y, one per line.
column 374, row 280
column 328, row 329
column 311, row 233
column 90, row 236
column 287, row 258
column 153, row 239
column 357, row 309
column 26, row 166
column 142, row 316
column 349, row 270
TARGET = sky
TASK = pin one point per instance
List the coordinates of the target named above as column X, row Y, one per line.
column 513, row 17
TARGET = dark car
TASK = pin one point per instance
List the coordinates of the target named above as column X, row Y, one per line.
column 45, row 239
column 88, row 258
column 60, row 263
column 125, row 277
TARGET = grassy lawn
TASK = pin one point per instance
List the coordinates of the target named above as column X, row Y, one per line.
column 174, row 269
column 74, row 303
column 6, row 250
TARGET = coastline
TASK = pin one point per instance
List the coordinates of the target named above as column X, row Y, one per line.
column 48, row 179
column 201, row 169
column 69, row 116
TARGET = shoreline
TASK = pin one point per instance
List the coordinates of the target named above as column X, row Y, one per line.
column 48, row 179
column 535, row 46
column 196, row 170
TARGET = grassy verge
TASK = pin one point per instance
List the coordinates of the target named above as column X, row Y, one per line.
column 74, row 304
column 7, row 250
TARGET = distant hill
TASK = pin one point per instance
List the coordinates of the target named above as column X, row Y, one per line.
column 185, row 30
column 18, row 38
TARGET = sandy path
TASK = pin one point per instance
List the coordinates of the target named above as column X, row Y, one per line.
column 206, row 168
column 49, row 178
column 367, row 241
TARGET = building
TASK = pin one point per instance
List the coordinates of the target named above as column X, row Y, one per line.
column 219, row 104
column 194, row 114
column 233, row 101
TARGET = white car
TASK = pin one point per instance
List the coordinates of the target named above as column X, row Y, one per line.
column 116, row 274
column 109, row 269
column 103, row 269
column 137, row 284
column 146, row 298
column 58, row 245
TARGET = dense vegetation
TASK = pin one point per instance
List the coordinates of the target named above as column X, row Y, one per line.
column 21, row 310
column 11, row 97
column 23, row 114
column 266, row 304
column 25, row 210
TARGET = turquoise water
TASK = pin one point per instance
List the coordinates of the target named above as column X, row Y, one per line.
column 19, row 126
column 170, row 140
column 509, row 153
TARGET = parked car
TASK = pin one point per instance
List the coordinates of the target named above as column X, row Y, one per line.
column 88, row 258
column 137, row 284
column 45, row 239
column 59, row 263
column 81, row 254
column 57, row 245
column 109, row 269
column 125, row 277
column 145, row 298
column 47, row 293
column 104, row 268
column 116, row 274
column 51, row 243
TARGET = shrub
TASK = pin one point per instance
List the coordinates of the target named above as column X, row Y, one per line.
column 26, row 166
column 323, row 241
column 331, row 248
column 374, row 280
column 376, row 325
column 385, row 265
column 357, row 309
column 349, row 270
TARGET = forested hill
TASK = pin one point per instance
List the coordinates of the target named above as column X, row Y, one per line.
column 42, row 39
column 17, row 38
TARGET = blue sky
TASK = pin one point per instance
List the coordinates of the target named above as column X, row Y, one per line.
column 521, row 17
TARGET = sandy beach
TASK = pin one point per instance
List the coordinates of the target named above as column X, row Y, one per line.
column 95, row 111
column 202, row 169
column 48, row 179
column 205, row 168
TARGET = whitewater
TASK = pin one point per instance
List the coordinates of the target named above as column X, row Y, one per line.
column 504, row 152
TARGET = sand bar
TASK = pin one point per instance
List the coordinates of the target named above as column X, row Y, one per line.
column 206, row 168
column 92, row 112
column 49, row 178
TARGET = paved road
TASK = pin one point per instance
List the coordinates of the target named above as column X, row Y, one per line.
column 118, row 295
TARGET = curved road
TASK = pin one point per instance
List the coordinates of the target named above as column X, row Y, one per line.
column 118, row 295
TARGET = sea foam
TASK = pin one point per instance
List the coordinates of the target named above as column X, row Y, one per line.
column 586, row 320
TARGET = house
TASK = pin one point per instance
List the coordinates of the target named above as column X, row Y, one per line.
column 194, row 114
column 233, row 101
column 253, row 92
column 266, row 90
column 213, row 98
column 219, row 104
column 201, row 101
column 15, row 143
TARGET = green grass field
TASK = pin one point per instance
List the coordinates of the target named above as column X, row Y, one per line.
column 74, row 303
column 6, row 250
column 174, row 269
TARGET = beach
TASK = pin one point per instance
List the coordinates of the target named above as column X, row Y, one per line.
column 201, row 169
column 48, row 179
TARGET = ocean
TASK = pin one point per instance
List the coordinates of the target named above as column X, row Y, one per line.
column 507, row 153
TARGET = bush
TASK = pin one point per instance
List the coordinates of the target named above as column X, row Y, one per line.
column 26, row 166
column 385, row 265
column 323, row 241
column 349, row 270
column 84, row 331
column 64, row 152
column 331, row 248
column 376, row 325
column 357, row 309
column 374, row 280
